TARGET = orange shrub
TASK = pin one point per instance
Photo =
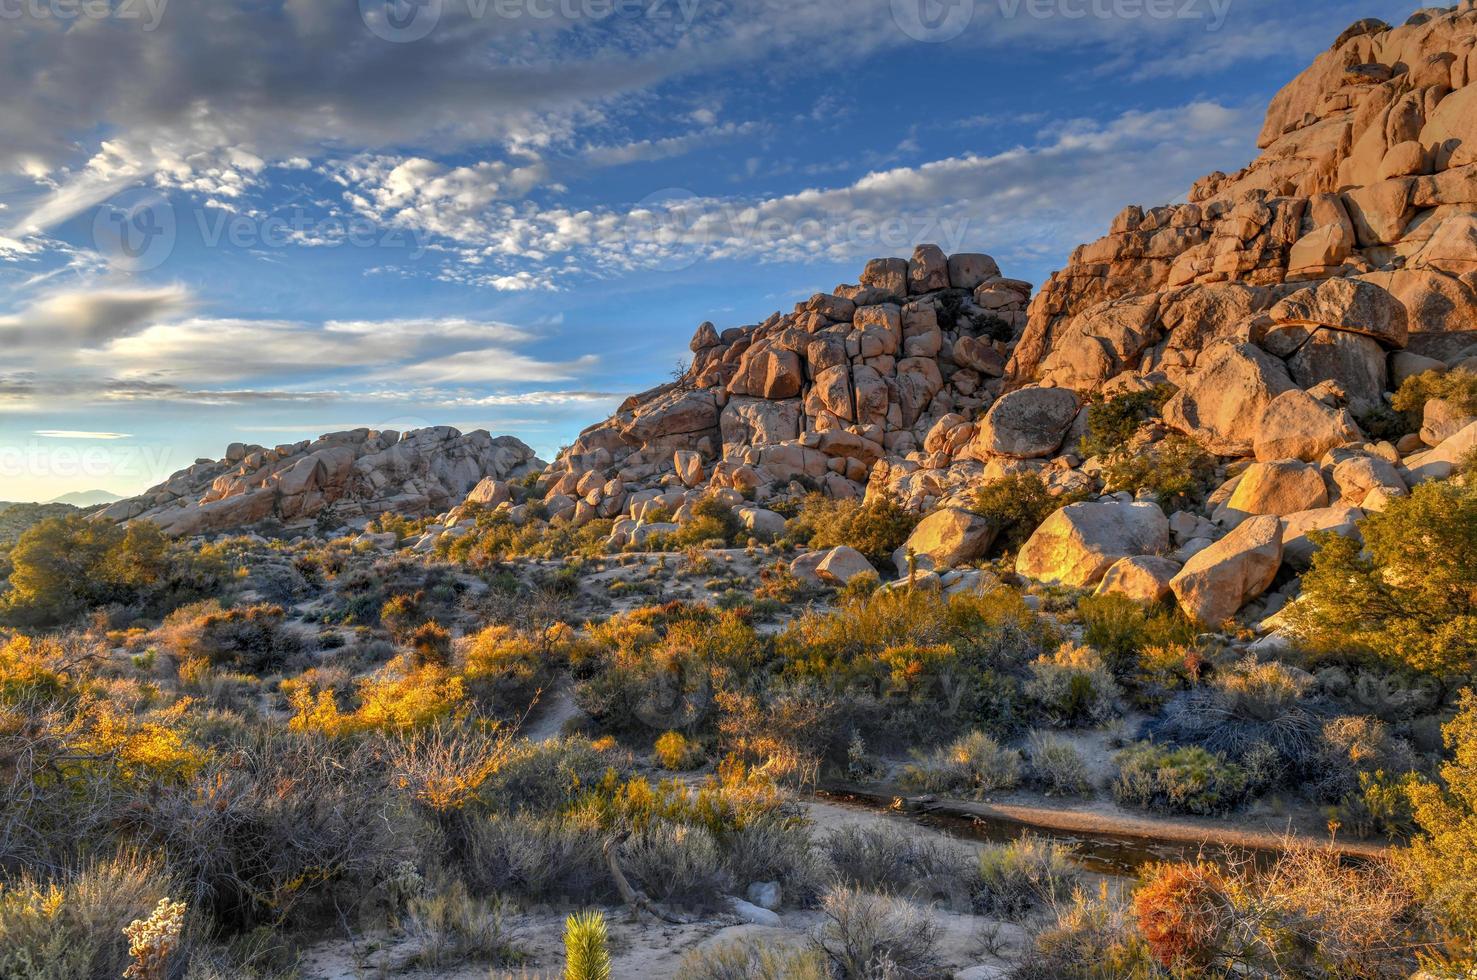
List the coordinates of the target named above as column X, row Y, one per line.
column 1180, row 910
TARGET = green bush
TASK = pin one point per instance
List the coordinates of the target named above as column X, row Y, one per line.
column 1018, row 504
column 1028, row 873
column 1176, row 470
column 64, row 567
column 1112, row 423
column 973, row 765
column 876, row 528
column 1072, row 687
column 1457, row 387
column 1056, row 766
column 1121, row 629
column 1409, row 596
column 1183, row 780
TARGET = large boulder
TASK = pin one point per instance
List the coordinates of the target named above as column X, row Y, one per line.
column 842, row 564
column 1298, row 548
column 1354, row 362
column 1027, row 424
column 1143, row 578
column 1295, row 425
column 1350, row 305
column 945, row 538
column 1221, row 402
column 1281, row 487
column 1079, row 543
column 1216, row 582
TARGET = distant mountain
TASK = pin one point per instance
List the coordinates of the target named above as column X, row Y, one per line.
column 86, row 498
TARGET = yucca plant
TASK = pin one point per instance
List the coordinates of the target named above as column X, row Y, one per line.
column 585, row 953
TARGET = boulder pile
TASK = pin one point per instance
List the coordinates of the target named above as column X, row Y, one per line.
column 1281, row 305
column 347, row 477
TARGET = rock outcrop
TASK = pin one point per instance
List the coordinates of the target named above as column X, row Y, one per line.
column 346, row 477
column 1353, row 234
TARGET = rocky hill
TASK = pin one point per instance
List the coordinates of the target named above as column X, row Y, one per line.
column 342, row 476
column 1342, row 259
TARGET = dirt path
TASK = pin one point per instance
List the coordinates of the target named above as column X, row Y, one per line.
column 1098, row 818
column 556, row 708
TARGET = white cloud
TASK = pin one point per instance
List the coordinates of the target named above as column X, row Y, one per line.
column 80, row 434
column 1048, row 195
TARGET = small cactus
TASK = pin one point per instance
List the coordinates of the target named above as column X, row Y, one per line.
column 152, row 941
column 586, row 955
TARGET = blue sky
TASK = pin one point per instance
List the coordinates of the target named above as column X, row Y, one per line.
column 259, row 220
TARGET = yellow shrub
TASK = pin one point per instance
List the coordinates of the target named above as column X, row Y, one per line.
column 398, row 698
column 675, row 751
column 26, row 668
column 140, row 748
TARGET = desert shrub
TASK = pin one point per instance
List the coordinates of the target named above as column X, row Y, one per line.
column 253, row 639
column 1073, row 686
column 430, row 645
column 778, row 846
column 785, row 732
column 450, row 926
column 36, row 668
column 751, row 959
column 1442, row 860
column 542, row 777
column 586, row 953
column 506, row 668
column 1247, row 708
column 1409, row 594
column 539, row 858
column 661, row 666
column 1354, row 745
column 896, row 860
column 69, row 926
column 1121, row 629
column 1308, row 913
column 397, row 697
column 1112, row 422
column 276, row 829
column 1181, row 912
column 1175, row 470
column 1092, row 936
column 63, row 567
column 1381, row 422
column 867, row 935
column 1457, row 387
column 876, row 528
column 1183, row 780
column 972, row 765
column 1380, row 806
column 936, row 666
column 712, row 523
column 1018, row 504
column 677, row 864
column 1056, row 766
column 677, row 752
column 1028, row 874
